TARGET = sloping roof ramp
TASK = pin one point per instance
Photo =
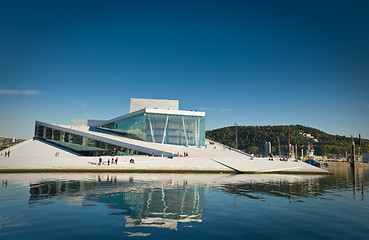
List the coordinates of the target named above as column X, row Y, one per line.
column 140, row 103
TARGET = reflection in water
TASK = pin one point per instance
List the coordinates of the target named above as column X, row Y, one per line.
column 342, row 177
column 162, row 201
column 357, row 174
column 240, row 206
column 160, row 205
column 353, row 176
column 284, row 189
column 4, row 183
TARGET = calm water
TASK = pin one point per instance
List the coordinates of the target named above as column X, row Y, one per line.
column 185, row 206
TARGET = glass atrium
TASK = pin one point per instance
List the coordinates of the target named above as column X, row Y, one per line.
column 162, row 128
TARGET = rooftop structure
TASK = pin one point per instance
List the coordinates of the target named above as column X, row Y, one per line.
column 140, row 103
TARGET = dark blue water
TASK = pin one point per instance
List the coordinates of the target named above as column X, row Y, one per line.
column 185, row 206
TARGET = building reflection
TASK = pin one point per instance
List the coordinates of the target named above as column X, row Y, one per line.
column 281, row 189
column 342, row 177
column 163, row 201
column 357, row 175
column 156, row 204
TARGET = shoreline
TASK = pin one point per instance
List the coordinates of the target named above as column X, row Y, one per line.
column 184, row 171
column 33, row 156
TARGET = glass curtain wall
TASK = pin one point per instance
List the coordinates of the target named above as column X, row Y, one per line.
column 161, row 128
column 133, row 127
column 83, row 145
column 175, row 129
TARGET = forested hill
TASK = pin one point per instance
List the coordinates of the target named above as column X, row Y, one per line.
column 252, row 139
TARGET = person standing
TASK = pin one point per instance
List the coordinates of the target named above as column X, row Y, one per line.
column 9, row 153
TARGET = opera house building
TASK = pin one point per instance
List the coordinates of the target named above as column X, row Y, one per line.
column 163, row 138
column 150, row 124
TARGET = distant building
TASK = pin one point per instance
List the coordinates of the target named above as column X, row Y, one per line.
column 268, row 148
column 310, row 151
column 308, row 135
column 366, row 157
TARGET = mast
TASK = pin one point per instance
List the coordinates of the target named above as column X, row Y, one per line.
column 295, row 150
column 236, row 136
column 352, row 152
column 360, row 148
column 289, row 143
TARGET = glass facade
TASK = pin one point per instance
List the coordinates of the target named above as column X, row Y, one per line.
column 133, row 127
column 162, row 128
column 82, row 145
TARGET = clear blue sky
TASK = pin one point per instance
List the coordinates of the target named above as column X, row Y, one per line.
column 261, row 62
